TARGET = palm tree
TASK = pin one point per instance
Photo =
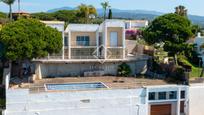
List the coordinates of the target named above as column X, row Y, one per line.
column 105, row 6
column 85, row 12
column 181, row 10
column 9, row 3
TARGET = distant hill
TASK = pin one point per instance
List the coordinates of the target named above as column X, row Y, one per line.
column 136, row 14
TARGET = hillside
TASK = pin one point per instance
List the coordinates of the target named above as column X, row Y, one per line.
column 137, row 14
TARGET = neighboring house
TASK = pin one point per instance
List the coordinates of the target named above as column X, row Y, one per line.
column 135, row 24
column 88, row 50
column 22, row 14
column 199, row 45
column 133, row 28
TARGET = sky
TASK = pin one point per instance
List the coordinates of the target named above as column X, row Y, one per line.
column 195, row 7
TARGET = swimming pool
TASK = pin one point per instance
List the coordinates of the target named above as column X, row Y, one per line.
column 74, row 86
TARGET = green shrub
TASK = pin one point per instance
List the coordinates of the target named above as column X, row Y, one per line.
column 2, row 102
column 124, row 70
column 177, row 74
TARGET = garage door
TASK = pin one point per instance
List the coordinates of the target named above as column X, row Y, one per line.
column 161, row 109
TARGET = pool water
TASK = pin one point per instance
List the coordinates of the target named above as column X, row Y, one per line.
column 75, row 86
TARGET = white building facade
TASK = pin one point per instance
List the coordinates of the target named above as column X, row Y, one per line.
column 90, row 48
column 138, row 101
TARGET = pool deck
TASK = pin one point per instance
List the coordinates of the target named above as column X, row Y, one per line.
column 109, row 81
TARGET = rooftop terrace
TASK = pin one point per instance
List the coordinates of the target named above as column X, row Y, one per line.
column 111, row 82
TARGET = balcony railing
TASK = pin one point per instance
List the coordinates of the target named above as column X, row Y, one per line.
column 83, row 57
column 83, row 43
column 115, row 57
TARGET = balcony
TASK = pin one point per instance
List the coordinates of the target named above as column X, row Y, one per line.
column 82, row 44
column 114, row 53
column 83, row 53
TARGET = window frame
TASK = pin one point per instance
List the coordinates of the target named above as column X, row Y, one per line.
column 82, row 40
column 160, row 95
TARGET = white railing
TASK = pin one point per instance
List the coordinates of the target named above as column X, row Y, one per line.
column 83, row 57
column 83, row 43
column 54, row 57
column 115, row 56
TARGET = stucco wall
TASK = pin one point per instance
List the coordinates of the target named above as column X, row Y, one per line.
column 92, row 37
column 196, row 99
column 75, row 69
column 119, row 30
column 101, row 102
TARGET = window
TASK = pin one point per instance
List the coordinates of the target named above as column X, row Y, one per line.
column 65, row 41
column 162, row 95
column 152, row 96
column 172, row 95
column 82, row 40
column 183, row 94
column 113, row 39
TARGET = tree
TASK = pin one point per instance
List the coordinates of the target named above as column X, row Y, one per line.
column 105, row 6
column 124, row 70
column 110, row 14
column 65, row 15
column 28, row 39
column 9, row 3
column 86, row 12
column 2, row 15
column 172, row 29
column 43, row 16
column 181, row 10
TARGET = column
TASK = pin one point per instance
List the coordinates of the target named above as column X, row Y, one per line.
column 97, row 42
column 38, row 72
column 69, row 45
column 105, row 41
column 178, row 101
column 124, row 45
column 63, row 45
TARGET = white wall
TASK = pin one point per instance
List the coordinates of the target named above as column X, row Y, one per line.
column 101, row 102
column 196, row 99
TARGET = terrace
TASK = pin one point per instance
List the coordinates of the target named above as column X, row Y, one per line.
column 109, row 81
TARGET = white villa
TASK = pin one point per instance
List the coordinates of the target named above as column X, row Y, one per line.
column 90, row 49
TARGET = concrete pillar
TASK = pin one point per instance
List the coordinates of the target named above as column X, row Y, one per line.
column 38, row 71
column 178, row 101
column 186, row 103
column 147, row 101
column 97, row 41
column 6, row 76
column 63, row 44
column 69, row 45
column 124, row 45
column 105, row 40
